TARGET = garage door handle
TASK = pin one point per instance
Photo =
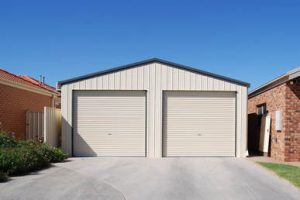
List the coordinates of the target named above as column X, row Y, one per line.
column 109, row 134
column 199, row 134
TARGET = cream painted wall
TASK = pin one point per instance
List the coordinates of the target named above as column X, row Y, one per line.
column 155, row 78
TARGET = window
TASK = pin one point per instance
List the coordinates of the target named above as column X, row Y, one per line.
column 261, row 110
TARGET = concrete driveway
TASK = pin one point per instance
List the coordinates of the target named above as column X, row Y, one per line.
column 139, row 178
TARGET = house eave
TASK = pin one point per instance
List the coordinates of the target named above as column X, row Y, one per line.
column 26, row 87
column 290, row 75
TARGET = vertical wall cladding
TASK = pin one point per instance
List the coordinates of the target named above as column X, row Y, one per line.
column 155, row 78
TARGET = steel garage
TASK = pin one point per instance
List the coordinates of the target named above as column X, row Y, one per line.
column 154, row 108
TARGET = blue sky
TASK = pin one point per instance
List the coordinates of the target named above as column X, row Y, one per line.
column 254, row 40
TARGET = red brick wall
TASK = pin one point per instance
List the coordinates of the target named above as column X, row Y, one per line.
column 292, row 138
column 274, row 100
column 284, row 145
column 14, row 103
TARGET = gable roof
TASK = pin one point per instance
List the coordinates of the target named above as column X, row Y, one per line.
column 148, row 61
column 26, row 80
column 292, row 74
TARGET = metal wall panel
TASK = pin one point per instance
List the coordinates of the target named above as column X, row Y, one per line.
column 154, row 78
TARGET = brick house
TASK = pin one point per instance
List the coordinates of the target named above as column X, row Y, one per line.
column 282, row 95
column 19, row 94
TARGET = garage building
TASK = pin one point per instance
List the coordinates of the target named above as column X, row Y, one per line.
column 154, row 108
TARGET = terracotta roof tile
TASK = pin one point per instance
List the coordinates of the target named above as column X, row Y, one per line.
column 27, row 80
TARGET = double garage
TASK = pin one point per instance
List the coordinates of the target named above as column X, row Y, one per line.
column 154, row 108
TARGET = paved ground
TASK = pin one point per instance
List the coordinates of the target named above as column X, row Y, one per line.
column 133, row 178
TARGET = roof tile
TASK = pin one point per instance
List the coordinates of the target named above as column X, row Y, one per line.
column 27, row 80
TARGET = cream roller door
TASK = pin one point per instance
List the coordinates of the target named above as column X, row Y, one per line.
column 199, row 124
column 109, row 123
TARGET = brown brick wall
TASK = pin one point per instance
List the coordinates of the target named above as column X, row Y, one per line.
column 14, row 103
column 292, row 137
column 284, row 145
column 274, row 100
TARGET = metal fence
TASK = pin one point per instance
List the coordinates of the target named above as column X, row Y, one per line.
column 52, row 124
column 35, row 125
column 44, row 126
